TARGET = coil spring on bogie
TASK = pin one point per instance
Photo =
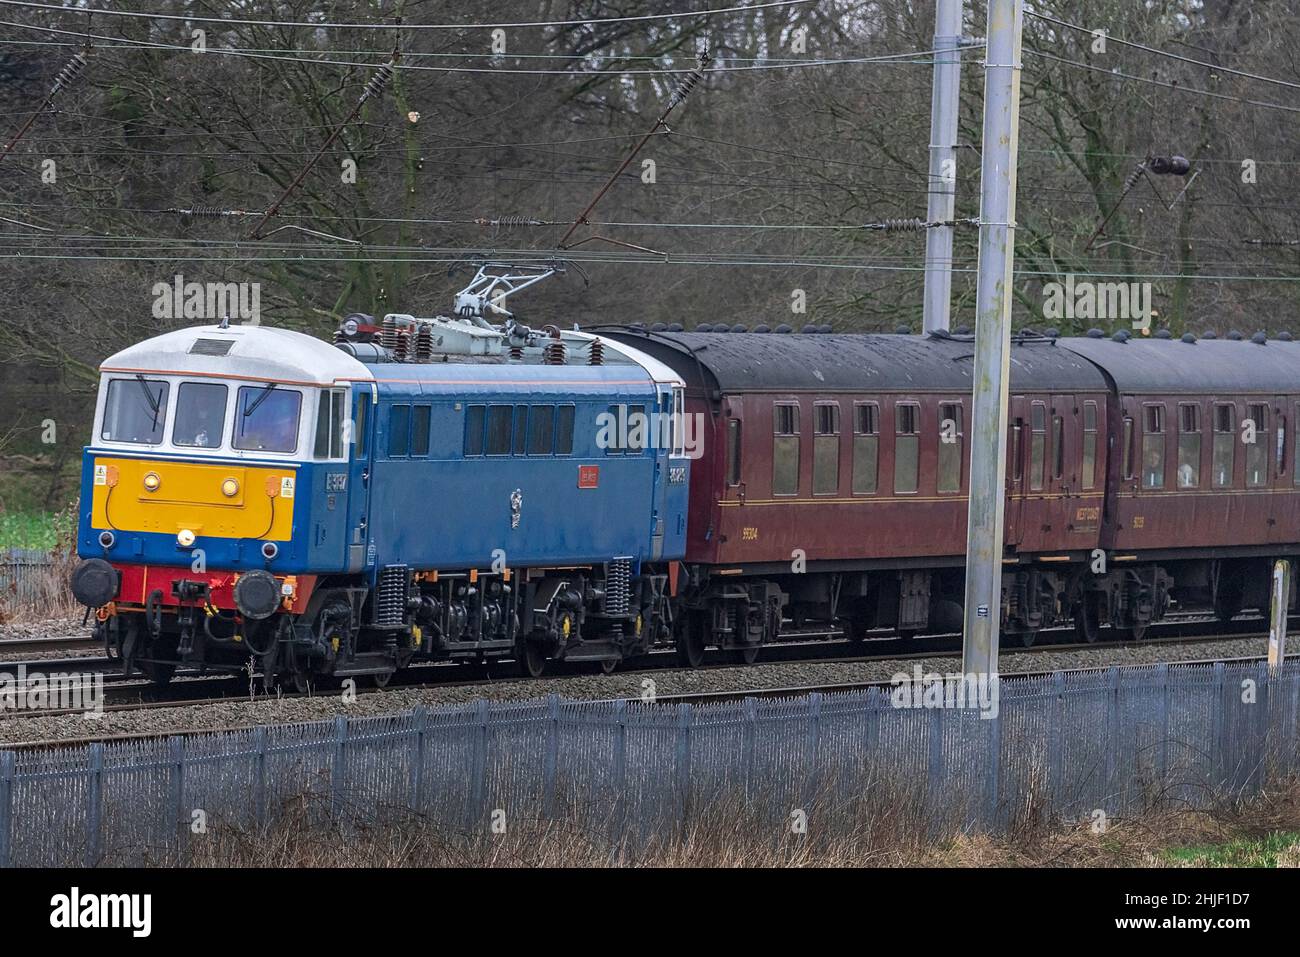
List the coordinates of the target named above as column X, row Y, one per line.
column 390, row 595
column 618, row 588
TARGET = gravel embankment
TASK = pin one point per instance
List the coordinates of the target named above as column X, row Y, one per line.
column 237, row 712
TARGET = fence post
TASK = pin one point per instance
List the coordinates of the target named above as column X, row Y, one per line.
column 994, row 765
column 814, row 748
column 1263, row 726
column 1055, row 737
column 94, row 804
column 259, row 774
column 1162, row 672
column 620, row 768
column 683, row 760
column 551, row 764
column 338, row 769
column 478, row 781
column 751, row 744
column 419, row 724
column 1112, row 732
column 8, row 771
column 934, row 769
column 176, row 786
column 1219, row 767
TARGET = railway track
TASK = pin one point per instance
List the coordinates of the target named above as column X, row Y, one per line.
column 192, row 688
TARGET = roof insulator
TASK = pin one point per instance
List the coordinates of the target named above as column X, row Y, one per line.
column 1235, row 336
column 1285, row 336
column 762, row 328
column 1095, row 333
column 1209, row 334
column 783, row 328
column 1164, row 334
column 1259, row 338
column 739, row 327
column 1189, row 338
column 1122, row 336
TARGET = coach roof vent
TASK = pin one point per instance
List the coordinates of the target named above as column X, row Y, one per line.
column 1122, row 336
column 1095, row 333
column 1259, row 338
column 1164, row 334
column 1209, row 334
column 762, row 329
column 1235, row 336
column 1189, row 338
column 1284, row 336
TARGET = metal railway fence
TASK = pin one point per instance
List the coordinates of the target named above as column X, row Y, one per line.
column 1061, row 748
column 24, row 576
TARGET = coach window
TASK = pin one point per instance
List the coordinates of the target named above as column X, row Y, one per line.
column 475, row 416
column 1189, row 445
column 135, row 410
column 541, row 435
column 1225, row 444
column 1058, row 446
column 950, row 442
column 1295, row 452
column 907, row 446
column 201, row 416
column 329, row 423
column 1128, row 447
column 785, row 449
column 266, row 419
column 678, row 423
column 499, row 422
column 866, row 447
column 1153, row 446
column 399, row 430
column 564, row 429
column 420, row 415
column 1257, row 451
column 521, row 430
column 363, row 419
column 826, row 448
column 1280, row 444
column 733, row 451
column 1089, row 477
column 1037, row 444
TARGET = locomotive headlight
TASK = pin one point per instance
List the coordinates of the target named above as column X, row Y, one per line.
column 152, row 481
column 184, row 538
column 229, row 488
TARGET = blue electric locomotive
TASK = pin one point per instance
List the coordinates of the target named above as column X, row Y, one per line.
column 420, row 489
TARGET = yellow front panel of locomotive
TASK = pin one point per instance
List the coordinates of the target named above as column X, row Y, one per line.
column 219, row 501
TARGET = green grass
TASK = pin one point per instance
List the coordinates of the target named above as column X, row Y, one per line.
column 1258, row 852
column 27, row 530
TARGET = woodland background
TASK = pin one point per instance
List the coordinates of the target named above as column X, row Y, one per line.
column 772, row 166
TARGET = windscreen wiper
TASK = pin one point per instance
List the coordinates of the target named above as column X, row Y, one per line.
column 260, row 399
column 155, row 405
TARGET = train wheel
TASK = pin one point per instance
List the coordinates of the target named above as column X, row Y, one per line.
column 608, row 665
column 381, row 679
column 1227, row 606
column 1087, row 619
column 301, row 681
column 690, row 641
column 159, row 672
column 748, row 654
column 530, row 658
column 1027, row 638
column 1135, row 633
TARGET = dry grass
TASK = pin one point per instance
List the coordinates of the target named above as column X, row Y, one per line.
column 726, row 836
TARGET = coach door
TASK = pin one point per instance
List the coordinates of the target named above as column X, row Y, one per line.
column 1017, row 435
column 360, row 439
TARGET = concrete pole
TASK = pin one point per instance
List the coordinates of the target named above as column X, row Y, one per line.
column 1281, row 600
column 988, row 461
column 942, row 183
